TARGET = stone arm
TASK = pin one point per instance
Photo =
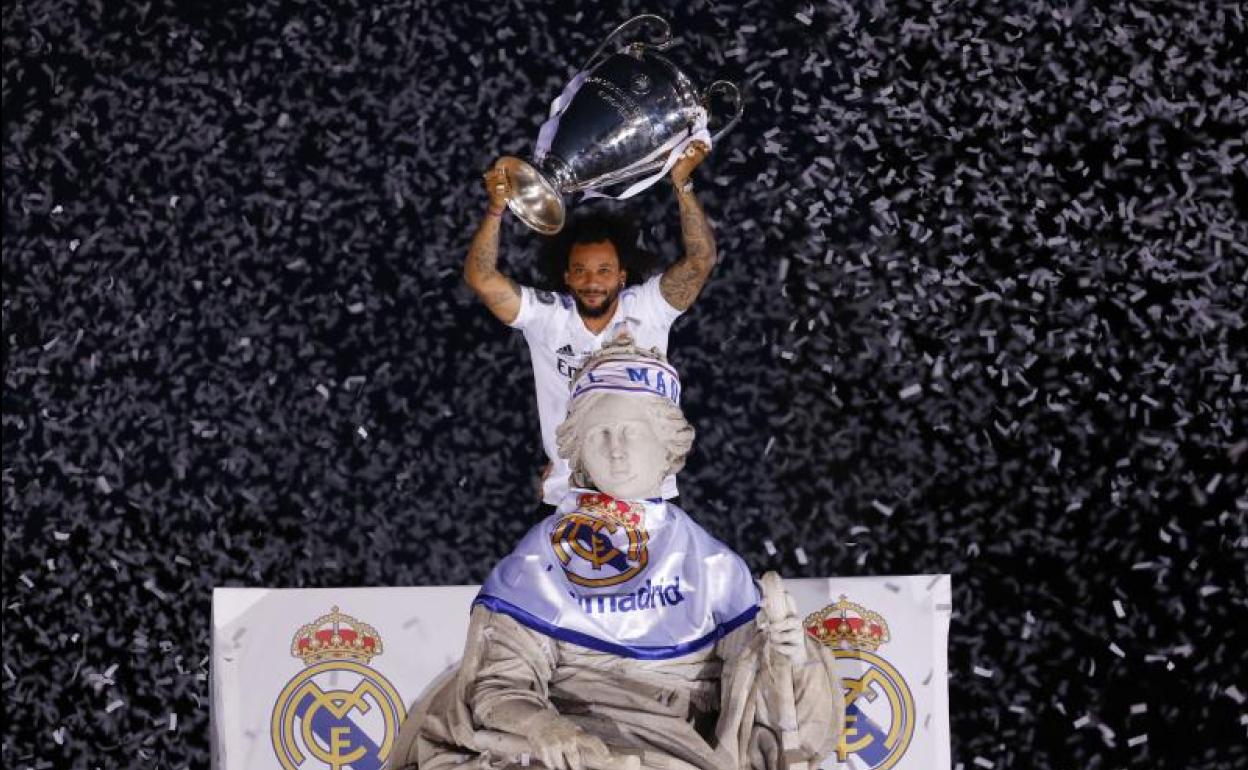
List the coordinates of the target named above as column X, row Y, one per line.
column 511, row 681
column 750, row 710
column 510, row 693
column 819, row 698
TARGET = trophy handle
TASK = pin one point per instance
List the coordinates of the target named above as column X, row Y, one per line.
column 663, row 41
column 734, row 94
column 537, row 201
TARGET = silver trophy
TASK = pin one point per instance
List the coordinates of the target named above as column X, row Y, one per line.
column 619, row 120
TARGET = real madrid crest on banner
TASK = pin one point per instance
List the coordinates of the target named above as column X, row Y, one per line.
column 337, row 713
column 879, row 707
column 603, row 543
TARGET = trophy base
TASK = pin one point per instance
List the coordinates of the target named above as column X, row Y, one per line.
column 536, row 202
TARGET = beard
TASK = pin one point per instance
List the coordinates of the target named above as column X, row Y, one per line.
column 608, row 300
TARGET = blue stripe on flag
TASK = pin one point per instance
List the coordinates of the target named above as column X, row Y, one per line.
column 495, row 604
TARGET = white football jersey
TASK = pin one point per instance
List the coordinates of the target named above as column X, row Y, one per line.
column 559, row 343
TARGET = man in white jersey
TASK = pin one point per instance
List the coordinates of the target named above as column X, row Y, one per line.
column 563, row 329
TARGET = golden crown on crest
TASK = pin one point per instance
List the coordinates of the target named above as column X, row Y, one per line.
column 335, row 636
column 848, row 626
column 606, row 507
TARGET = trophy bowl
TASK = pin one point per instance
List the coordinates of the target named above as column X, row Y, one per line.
column 621, row 119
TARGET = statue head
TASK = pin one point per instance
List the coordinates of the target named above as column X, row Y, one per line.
column 625, row 431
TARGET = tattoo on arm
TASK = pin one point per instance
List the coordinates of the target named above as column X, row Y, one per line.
column 496, row 290
column 499, row 298
column 682, row 282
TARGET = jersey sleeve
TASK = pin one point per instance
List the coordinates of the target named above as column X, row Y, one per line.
column 537, row 307
column 651, row 303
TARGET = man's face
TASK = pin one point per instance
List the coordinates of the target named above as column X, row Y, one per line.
column 594, row 278
column 622, row 454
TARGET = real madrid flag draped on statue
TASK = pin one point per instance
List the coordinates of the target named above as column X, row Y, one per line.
column 677, row 573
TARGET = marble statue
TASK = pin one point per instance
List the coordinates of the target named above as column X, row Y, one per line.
column 619, row 634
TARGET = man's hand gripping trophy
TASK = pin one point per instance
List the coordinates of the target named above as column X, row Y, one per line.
column 690, row 159
column 499, row 189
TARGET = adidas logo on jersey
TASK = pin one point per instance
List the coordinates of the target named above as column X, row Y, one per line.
column 566, row 350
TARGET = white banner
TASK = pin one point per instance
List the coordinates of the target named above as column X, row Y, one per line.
column 319, row 679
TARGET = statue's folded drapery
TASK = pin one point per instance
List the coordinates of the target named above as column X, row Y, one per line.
column 713, row 709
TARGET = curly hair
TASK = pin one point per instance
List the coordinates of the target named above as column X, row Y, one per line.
column 596, row 227
column 667, row 419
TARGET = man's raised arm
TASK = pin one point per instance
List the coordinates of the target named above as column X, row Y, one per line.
column 682, row 282
column 499, row 293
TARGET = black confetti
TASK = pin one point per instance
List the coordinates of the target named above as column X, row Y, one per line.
column 981, row 310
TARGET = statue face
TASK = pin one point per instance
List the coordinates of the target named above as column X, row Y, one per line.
column 622, row 454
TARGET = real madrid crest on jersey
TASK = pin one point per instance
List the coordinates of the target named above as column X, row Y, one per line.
column 603, row 543
column 879, row 708
column 337, row 713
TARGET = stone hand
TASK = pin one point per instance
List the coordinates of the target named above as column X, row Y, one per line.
column 786, row 635
column 561, row 745
column 693, row 155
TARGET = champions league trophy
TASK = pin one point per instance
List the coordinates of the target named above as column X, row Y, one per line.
column 625, row 117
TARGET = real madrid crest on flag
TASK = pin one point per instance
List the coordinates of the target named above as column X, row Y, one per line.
column 602, row 543
column 879, row 707
column 337, row 713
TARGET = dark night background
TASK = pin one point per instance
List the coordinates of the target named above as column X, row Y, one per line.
column 981, row 310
